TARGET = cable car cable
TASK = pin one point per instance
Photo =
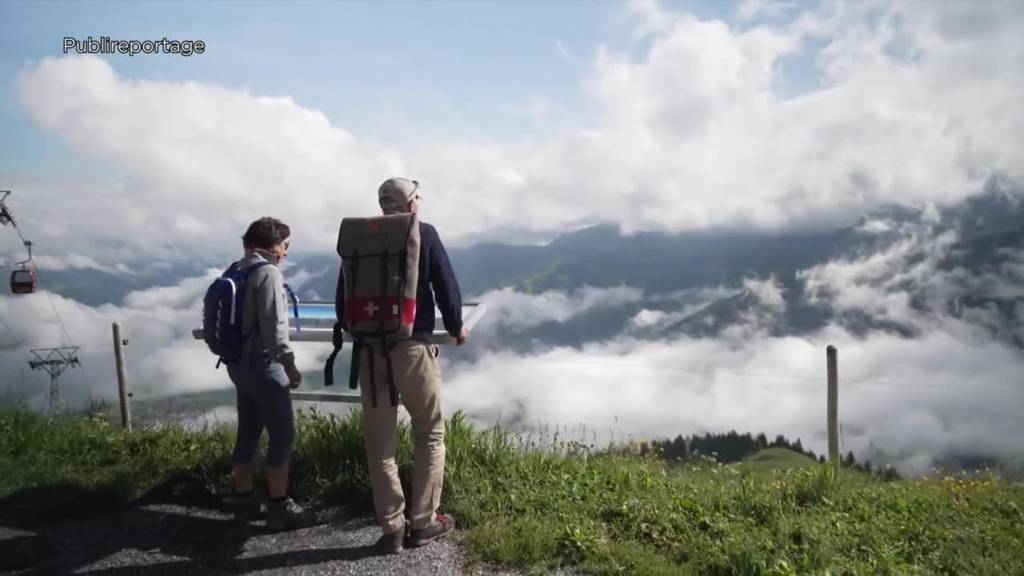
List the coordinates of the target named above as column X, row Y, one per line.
column 14, row 337
column 8, row 217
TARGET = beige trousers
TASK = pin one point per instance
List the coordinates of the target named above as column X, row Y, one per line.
column 418, row 381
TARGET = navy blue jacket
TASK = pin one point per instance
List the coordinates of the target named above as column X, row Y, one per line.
column 436, row 280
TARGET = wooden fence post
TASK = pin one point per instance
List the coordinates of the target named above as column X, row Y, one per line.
column 833, row 406
column 122, row 385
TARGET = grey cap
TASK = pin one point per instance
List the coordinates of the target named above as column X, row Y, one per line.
column 395, row 194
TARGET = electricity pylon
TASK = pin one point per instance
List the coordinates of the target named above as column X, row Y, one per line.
column 55, row 361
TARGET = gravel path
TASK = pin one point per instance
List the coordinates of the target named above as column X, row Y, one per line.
column 157, row 539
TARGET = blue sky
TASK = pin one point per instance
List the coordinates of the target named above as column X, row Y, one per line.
column 385, row 71
column 765, row 114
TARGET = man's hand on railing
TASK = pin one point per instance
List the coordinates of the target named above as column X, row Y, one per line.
column 294, row 376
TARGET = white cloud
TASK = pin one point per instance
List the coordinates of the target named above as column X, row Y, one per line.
column 689, row 134
column 693, row 135
column 184, row 295
column 72, row 260
column 876, row 226
column 513, row 310
column 768, row 292
column 653, row 19
column 913, row 282
column 947, row 392
column 877, row 284
column 202, row 161
column 650, row 318
column 297, row 280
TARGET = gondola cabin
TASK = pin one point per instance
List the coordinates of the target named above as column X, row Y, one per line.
column 23, row 281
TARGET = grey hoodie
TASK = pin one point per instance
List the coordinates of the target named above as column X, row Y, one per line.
column 266, row 306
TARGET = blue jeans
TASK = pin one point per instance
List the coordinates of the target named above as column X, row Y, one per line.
column 264, row 401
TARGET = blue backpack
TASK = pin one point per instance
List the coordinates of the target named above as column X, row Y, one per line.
column 222, row 313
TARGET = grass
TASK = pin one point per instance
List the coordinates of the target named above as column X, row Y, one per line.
column 76, row 466
column 772, row 459
column 543, row 503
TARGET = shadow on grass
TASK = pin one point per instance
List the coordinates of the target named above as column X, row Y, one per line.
column 61, row 501
column 156, row 539
column 67, row 500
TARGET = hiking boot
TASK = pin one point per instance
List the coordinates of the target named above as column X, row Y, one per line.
column 244, row 509
column 442, row 526
column 287, row 515
column 390, row 543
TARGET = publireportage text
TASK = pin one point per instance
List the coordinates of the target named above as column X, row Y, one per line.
column 132, row 47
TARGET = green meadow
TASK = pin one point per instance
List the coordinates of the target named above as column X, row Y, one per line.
column 542, row 503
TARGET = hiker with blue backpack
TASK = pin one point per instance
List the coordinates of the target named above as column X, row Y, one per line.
column 394, row 269
column 245, row 322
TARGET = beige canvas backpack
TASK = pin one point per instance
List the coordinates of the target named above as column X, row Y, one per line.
column 380, row 263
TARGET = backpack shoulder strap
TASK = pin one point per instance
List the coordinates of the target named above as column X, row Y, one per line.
column 339, row 294
column 230, row 269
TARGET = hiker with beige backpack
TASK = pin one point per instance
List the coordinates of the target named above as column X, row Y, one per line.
column 394, row 268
